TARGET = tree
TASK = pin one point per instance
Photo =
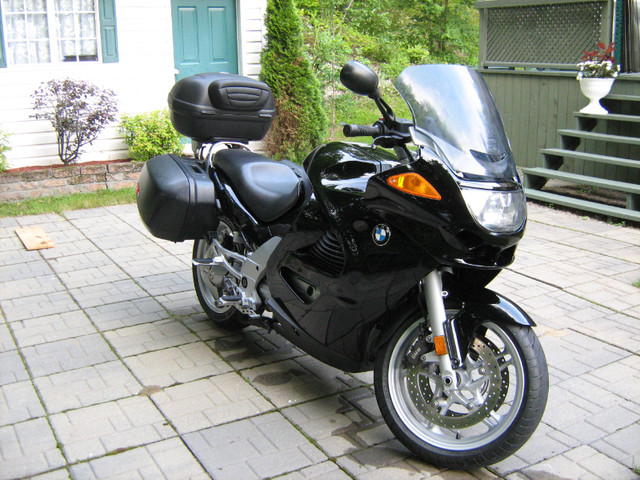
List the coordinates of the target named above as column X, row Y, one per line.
column 388, row 35
column 394, row 33
column 300, row 123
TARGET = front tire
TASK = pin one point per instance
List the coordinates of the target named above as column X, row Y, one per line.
column 208, row 282
column 502, row 393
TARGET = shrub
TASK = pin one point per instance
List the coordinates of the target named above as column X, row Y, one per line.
column 4, row 147
column 149, row 135
column 301, row 122
column 78, row 112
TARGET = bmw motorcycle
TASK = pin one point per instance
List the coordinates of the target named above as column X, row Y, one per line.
column 368, row 256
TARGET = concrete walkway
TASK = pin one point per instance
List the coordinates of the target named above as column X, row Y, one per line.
column 109, row 369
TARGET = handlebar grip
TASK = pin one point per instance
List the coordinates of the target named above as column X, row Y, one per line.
column 362, row 131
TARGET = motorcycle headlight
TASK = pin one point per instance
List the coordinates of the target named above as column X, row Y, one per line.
column 495, row 210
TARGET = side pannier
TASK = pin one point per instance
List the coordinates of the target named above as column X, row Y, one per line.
column 176, row 198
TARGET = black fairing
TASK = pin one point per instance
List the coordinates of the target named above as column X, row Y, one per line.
column 341, row 287
column 328, row 273
column 444, row 229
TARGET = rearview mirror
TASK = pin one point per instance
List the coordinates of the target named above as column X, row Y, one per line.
column 360, row 79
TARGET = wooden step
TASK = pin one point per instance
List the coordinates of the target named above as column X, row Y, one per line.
column 600, row 137
column 611, row 117
column 583, row 180
column 622, row 97
column 591, row 157
column 584, row 205
column 620, row 103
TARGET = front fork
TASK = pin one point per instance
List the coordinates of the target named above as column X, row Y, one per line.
column 443, row 333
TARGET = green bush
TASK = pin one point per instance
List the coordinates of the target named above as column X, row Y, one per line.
column 149, row 135
column 4, row 147
column 301, row 121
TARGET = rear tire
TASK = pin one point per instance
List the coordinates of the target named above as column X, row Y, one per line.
column 502, row 395
column 208, row 283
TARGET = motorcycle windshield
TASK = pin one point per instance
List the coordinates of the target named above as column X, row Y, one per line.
column 453, row 106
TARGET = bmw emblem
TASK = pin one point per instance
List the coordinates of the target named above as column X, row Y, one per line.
column 381, row 234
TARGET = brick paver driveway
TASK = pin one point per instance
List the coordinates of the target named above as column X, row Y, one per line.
column 109, row 369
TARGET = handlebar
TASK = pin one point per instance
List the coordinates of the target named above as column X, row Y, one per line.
column 362, row 130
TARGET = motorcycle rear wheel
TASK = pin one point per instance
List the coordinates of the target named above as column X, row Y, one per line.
column 502, row 394
column 206, row 281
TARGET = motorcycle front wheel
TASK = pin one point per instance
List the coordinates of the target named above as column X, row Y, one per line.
column 209, row 281
column 501, row 395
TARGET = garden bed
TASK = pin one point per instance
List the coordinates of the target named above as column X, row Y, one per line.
column 20, row 184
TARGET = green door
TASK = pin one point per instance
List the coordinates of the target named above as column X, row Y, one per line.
column 204, row 36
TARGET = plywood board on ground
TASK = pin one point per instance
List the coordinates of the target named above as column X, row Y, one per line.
column 34, row 238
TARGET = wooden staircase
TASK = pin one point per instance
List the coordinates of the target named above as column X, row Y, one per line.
column 604, row 144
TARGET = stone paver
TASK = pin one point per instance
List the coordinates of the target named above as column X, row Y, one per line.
column 64, row 355
column 295, row 381
column 177, row 365
column 52, row 328
column 212, row 401
column 18, row 402
column 260, row 447
column 148, row 337
column 86, row 386
column 32, row 306
column 108, row 428
column 27, row 449
column 253, row 348
column 13, row 368
column 169, row 459
column 110, row 370
column 342, row 423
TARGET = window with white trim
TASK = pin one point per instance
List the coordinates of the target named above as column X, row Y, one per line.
column 50, row 31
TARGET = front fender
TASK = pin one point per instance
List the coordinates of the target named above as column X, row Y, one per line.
column 473, row 305
column 477, row 306
column 489, row 305
column 480, row 303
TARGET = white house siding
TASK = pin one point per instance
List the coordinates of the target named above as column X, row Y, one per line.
column 252, row 32
column 141, row 79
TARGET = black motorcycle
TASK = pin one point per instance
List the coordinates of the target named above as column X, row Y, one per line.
column 368, row 256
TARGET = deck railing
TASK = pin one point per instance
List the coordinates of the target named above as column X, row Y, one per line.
column 542, row 34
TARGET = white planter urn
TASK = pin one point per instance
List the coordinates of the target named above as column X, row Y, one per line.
column 595, row 89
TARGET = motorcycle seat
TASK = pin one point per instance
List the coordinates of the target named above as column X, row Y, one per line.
column 268, row 188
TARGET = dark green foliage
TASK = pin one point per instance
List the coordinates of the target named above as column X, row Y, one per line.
column 387, row 31
column 4, row 147
column 387, row 35
column 300, row 123
column 149, row 135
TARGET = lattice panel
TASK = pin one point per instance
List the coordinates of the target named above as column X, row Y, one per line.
column 543, row 34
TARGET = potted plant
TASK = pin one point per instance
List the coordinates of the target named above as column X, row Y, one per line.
column 597, row 71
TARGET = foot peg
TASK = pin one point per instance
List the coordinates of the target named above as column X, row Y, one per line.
column 231, row 298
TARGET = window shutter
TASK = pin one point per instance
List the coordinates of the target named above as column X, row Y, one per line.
column 108, row 31
column 3, row 59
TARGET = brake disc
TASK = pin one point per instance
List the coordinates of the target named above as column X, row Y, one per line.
column 425, row 387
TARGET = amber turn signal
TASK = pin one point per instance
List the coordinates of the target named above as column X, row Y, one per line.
column 414, row 184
